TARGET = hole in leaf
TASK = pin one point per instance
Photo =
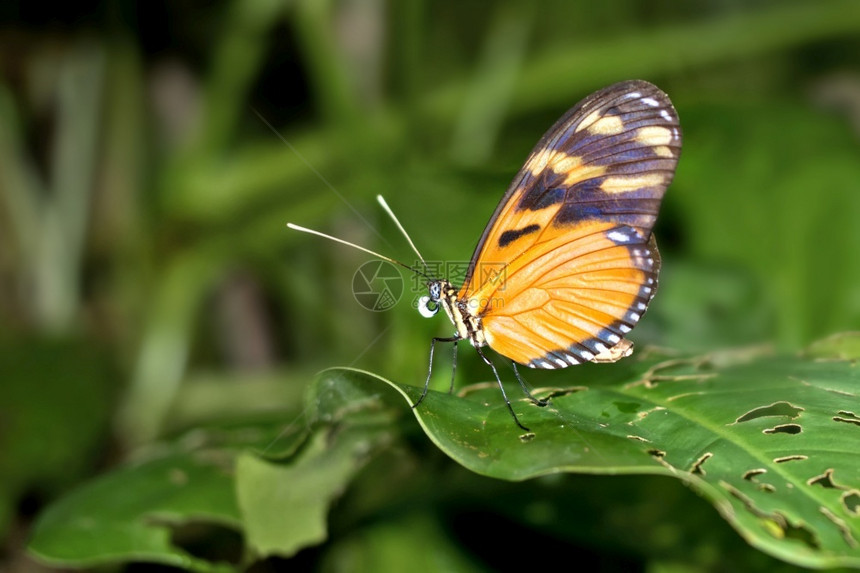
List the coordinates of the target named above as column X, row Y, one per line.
column 794, row 458
column 208, row 541
column 550, row 393
column 766, row 487
column 843, row 527
column 784, row 429
column 684, row 395
column 676, row 370
column 801, row 534
column 646, row 413
column 639, row 438
column 825, row 480
column 851, row 502
column 751, row 474
column 775, row 523
column 847, row 420
column 697, row 466
column 776, row 409
column 674, row 367
column 659, row 456
column 527, row 437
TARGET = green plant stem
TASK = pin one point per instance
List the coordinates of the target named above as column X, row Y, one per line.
column 67, row 215
column 238, row 56
column 326, row 67
column 486, row 107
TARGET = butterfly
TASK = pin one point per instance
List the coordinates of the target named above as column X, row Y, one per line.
column 575, row 264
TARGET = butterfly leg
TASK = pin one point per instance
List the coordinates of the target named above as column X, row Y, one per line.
column 433, row 342
column 526, row 389
column 453, row 366
column 501, row 387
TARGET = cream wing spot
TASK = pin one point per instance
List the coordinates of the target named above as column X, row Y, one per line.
column 539, row 160
column 623, row 184
column 654, row 135
column 582, row 173
column 607, row 125
column 663, row 151
column 588, row 120
column 599, row 124
column 563, row 163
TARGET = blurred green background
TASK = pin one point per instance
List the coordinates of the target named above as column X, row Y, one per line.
column 151, row 154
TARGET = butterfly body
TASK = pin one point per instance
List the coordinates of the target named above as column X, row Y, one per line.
column 461, row 312
column 466, row 321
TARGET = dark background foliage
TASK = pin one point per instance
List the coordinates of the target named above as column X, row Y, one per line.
column 151, row 153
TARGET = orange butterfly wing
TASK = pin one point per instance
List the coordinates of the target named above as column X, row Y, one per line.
column 567, row 265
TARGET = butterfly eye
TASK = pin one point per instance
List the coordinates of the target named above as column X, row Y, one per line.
column 435, row 291
column 427, row 307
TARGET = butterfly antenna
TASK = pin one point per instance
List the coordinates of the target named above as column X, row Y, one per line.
column 391, row 214
column 359, row 247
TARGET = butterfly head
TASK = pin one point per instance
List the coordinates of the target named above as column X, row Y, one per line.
column 442, row 294
column 429, row 305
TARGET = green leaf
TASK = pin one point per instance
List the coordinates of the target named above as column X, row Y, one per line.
column 285, row 506
column 55, row 398
column 274, row 483
column 771, row 441
column 128, row 514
